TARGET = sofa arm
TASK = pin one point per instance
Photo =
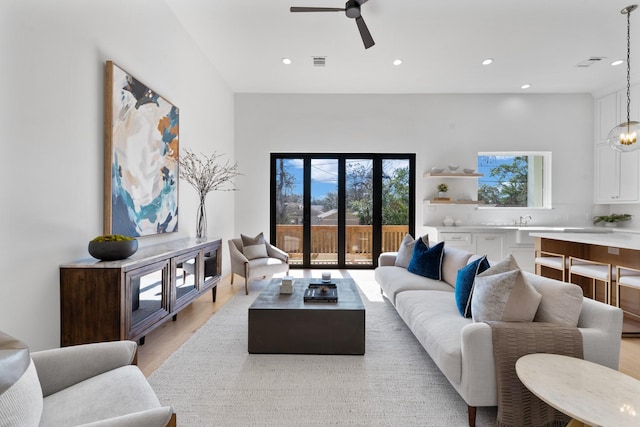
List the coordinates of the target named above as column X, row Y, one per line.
column 157, row 417
column 478, row 382
column 601, row 328
column 274, row 252
column 387, row 259
column 60, row 368
column 237, row 258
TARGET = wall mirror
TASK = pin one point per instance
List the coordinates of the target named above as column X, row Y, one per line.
column 515, row 179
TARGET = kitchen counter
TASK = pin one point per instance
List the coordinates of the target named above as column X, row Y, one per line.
column 618, row 248
column 615, row 238
column 530, row 228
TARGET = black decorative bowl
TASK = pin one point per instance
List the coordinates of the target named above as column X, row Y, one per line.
column 114, row 250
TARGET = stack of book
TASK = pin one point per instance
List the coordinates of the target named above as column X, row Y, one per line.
column 286, row 286
column 321, row 293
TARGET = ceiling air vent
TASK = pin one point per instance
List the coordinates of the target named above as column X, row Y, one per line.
column 589, row 62
column 319, row 61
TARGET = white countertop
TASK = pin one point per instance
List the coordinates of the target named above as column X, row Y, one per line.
column 507, row 227
column 616, row 238
column 527, row 228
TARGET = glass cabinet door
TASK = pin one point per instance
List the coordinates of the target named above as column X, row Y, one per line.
column 147, row 296
column 211, row 265
column 185, row 279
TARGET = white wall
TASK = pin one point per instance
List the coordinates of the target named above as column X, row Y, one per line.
column 440, row 129
column 52, row 67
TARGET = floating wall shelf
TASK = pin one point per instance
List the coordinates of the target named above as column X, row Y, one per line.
column 453, row 202
column 452, row 175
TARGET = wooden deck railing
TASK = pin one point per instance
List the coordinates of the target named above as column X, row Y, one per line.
column 324, row 238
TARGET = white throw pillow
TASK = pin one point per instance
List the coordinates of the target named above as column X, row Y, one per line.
column 507, row 264
column 405, row 251
column 506, row 297
column 561, row 302
column 254, row 247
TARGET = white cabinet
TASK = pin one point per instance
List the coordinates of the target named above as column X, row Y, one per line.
column 607, row 116
column 617, row 175
column 491, row 245
column 496, row 243
column 459, row 240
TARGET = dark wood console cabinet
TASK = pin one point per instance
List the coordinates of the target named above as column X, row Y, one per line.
column 127, row 299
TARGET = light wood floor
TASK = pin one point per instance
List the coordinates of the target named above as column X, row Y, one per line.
column 169, row 337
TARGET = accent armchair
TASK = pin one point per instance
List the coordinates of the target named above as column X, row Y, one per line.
column 255, row 257
column 83, row 385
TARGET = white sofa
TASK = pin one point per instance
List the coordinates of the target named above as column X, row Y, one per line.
column 462, row 349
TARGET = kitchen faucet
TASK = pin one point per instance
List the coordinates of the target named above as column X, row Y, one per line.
column 524, row 220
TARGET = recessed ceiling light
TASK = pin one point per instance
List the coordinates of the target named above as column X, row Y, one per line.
column 487, row 61
column 525, row 86
column 618, row 62
column 397, row 62
column 286, row 61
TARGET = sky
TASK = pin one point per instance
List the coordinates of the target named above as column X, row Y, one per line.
column 324, row 174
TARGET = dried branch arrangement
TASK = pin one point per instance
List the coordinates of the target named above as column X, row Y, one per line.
column 207, row 173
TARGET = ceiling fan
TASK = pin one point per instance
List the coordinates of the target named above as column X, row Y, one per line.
column 352, row 10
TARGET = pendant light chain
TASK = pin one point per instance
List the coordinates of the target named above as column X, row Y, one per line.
column 624, row 137
column 628, row 65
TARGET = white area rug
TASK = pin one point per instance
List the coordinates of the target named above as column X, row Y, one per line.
column 213, row 381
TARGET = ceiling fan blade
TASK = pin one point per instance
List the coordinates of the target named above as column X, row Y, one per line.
column 316, row 9
column 364, row 33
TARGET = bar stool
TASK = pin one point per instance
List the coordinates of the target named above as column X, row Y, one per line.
column 630, row 278
column 596, row 271
column 554, row 261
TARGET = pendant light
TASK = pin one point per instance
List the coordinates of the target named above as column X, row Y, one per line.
column 624, row 137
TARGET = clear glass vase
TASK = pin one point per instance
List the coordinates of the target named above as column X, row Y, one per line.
column 201, row 221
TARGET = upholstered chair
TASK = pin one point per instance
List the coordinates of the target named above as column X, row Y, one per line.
column 253, row 257
column 92, row 384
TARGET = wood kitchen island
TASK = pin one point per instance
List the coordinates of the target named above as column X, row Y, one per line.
column 615, row 248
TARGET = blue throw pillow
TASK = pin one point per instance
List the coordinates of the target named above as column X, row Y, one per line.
column 427, row 261
column 464, row 284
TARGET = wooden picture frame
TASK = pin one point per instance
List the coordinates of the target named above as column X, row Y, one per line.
column 141, row 149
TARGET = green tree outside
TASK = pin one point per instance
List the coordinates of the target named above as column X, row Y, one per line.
column 510, row 184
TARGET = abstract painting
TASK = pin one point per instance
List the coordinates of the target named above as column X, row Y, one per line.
column 141, row 157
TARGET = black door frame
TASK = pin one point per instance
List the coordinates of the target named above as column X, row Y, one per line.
column 377, row 159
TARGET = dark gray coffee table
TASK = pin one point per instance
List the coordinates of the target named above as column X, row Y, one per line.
column 286, row 324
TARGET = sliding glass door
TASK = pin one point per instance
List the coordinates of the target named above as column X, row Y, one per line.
column 324, row 211
column 340, row 210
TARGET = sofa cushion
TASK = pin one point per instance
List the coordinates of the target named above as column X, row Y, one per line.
column 267, row 267
column 427, row 261
column 254, row 247
column 561, row 302
column 464, row 284
column 506, row 297
column 405, row 251
column 434, row 320
column 393, row 280
column 122, row 391
column 454, row 259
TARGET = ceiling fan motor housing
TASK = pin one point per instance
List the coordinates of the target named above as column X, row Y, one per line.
column 352, row 9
